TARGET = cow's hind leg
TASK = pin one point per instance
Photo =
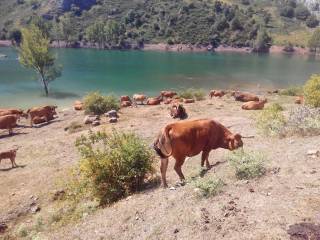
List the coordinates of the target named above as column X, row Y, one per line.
column 163, row 170
column 204, row 158
column 177, row 168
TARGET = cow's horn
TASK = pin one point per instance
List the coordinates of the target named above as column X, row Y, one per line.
column 247, row 136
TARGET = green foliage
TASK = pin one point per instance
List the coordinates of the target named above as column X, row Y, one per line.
column 95, row 103
column 314, row 42
column 271, row 121
column 263, row 41
column 113, row 165
column 287, row 11
column 34, row 53
column 96, row 33
column 311, row 91
column 292, row 91
column 209, row 187
column 312, row 21
column 247, row 165
column 302, row 12
column 191, row 93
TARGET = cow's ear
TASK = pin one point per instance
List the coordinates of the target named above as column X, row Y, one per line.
column 237, row 137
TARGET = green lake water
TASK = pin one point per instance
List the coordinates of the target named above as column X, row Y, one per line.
column 128, row 72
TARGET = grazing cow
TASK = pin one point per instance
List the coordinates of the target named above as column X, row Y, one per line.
column 191, row 100
column 139, row 98
column 12, row 111
column 244, row 97
column 189, row 138
column 125, row 99
column 217, row 93
column 78, row 105
column 178, row 111
column 126, row 104
column 168, row 94
column 11, row 154
column 154, row 101
column 299, row 100
column 253, row 105
column 9, row 122
column 46, row 112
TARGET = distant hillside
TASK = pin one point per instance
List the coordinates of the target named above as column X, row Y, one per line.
column 230, row 22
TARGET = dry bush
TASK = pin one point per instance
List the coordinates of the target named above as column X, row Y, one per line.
column 209, row 187
column 95, row 103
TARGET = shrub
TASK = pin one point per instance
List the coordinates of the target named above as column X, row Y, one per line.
column 311, row 91
column 113, row 165
column 209, row 187
column 312, row 21
column 303, row 121
column 98, row 104
column 271, row 120
column 199, row 94
column 292, row 91
column 302, row 12
column 247, row 165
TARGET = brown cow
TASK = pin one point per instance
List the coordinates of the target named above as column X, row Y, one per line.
column 9, row 122
column 244, row 97
column 299, row 100
column 253, row 105
column 46, row 112
column 178, row 111
column 139, row 98
column 126, row 104
column 168, row 94
column 191, row 100
column 12, row 111
column 125, row 99
column 154, row 101
column 11, row 154
column 217, row 93
column 189, row 138
column 78, row 105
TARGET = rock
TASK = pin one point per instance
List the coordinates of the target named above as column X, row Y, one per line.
column 58, row 195
column 3, row 227
column 96, row 123
column 268, row 194
column 251, row 190
column 113, row 120
column 313, row 152
column 172, row 188
column 112, row 114
column 78, row 105
column 35, row 208
column 90, row 119
column 176, row 231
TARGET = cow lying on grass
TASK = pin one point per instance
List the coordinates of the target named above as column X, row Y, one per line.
column 244, row 97
column 41, row 114
column 189, row 138
column 11, row 154
column 253, row 105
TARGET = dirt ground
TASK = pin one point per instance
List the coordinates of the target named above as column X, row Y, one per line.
column 264, row 208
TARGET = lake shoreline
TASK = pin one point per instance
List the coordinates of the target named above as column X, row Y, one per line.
column 183, row 48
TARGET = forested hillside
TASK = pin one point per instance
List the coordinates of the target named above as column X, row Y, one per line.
column 132, row 23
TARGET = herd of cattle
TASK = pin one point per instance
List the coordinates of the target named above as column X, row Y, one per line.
column 180, row 139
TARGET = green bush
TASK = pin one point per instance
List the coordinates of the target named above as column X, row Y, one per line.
column 198, row 94
column 209, row 187
column 113, row 165
column 311, row 91
column 247, row 165
column 292, row 91
column 271, row 121
column 95, row 103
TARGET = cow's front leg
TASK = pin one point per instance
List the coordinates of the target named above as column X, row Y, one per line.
column 177, row 168
column 205, row 158
column 163, row 170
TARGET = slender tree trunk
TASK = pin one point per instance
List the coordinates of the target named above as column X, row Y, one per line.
column 45, row 86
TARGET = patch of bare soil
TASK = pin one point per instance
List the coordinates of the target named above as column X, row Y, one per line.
column 265, row 208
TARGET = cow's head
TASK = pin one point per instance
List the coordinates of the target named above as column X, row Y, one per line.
column 234, row 141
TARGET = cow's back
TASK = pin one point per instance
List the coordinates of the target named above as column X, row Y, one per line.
column 8, row 121
column 189, row 138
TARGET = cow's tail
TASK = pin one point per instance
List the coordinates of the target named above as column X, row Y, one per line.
column 162, row 144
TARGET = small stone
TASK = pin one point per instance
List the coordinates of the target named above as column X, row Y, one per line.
column 3, row 227
column 226, row 214
column 58, row 195
column 176, row 231
column 172, row 188
column 90, row 119
column 313, row 152
column 12, row 194
column 313, row 172
column 35, row 209
column 113, row 120
column 96, row 123
column 251, row 190
column 112, row 114
column 268, row 194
